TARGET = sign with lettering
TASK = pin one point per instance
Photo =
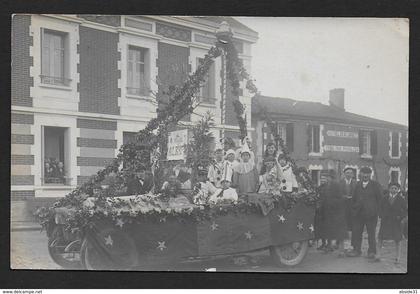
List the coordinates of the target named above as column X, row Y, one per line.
column 337, row 148
column 342, row 134
column 177, row 143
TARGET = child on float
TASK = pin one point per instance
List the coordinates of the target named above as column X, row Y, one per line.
column 203, row 188
column 268, row 181
column 216, row 168
column 270, row 150
column 393, row 210
column 226, row 193
column 245, row 174
column 230, row 162
column 286, row 175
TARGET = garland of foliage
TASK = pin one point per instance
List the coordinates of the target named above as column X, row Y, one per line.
column 149, row 147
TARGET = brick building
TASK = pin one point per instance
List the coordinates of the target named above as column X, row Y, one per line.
column 322, row 137
column 83, row 84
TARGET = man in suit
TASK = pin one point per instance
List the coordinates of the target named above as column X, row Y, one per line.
column 365, row 209
column 347, row 185
column 140, row 183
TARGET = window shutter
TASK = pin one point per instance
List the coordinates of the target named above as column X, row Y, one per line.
column 289, row 136
column 361, row 151
column 309, row 133
column 374, row 142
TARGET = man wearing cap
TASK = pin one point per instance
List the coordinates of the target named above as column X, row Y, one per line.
column 203, row 188
column 139, row 183
column 216, row 168
column 347, row 185
column 365, row 209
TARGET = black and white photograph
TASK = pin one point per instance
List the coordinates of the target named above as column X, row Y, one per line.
column 209, row 143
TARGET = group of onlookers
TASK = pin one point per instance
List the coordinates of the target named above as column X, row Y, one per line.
column 348, row 206
column 345, row 208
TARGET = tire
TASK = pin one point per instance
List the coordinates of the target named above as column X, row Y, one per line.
column 92, row 259
column 290, row 254
column 56, row 245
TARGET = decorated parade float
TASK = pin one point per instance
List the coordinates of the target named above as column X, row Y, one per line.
column 101, row 226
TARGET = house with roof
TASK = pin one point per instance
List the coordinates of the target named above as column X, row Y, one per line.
column 82, row 85
column 321, row 137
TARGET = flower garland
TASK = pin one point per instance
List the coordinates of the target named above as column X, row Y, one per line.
column 149, row 147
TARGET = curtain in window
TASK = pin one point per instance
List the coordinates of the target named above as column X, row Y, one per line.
column 52, row 55
column 136, row 71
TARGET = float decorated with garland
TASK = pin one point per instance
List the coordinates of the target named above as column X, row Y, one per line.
column 95, row 227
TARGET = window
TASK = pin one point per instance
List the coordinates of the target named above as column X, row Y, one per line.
column 286, row 133
column 207, row 90
column 315, row 176
column 137, row 71
column 314, row 138
column 367, row 142
column 395, row 144
column 130, row 137
column 395, row 176
column 53, row 58
column 55, row 157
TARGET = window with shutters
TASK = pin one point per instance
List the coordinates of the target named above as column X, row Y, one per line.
column 281, row 130
column 315, row 139
column 137, row 71
column 207, row 90
column 367, row 143
column 395, row 144
column 54, row 64
column 395, row 176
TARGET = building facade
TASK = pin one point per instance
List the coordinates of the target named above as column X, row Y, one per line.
column 82, row 85
column 321, row 137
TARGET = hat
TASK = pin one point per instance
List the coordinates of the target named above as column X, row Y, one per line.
column 366, row 170
column 347, row 168
column 218, row 147
column 281, row 156
column 394, row 184
column 331, row 173
column 229, row 152
column 245, row 149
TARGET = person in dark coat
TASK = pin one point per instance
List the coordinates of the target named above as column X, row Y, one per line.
column 393, row 210
column 334, row 212
column 347, row 185
column 140, row 183
column 365, row 209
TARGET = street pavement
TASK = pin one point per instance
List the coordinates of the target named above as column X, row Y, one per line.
column 29, row 251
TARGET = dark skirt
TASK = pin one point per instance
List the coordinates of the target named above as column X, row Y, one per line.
column 391, row 229
column 349, row 216
column 334, row 223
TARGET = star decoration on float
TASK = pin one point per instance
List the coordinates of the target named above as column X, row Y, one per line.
column 214, row 226
column 248, row 235
column 300, row 226
column 163, row 219
column 311, row 228
column 120, row 223
column 281, row 218
column 161, row 246
column 109, row 241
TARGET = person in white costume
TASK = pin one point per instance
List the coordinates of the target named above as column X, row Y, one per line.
column 287, row 178
column 226, row 192
column 216, row 168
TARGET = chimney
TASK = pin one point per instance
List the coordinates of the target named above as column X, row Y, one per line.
column 337, row 98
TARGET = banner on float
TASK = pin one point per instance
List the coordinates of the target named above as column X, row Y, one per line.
column 177, row 143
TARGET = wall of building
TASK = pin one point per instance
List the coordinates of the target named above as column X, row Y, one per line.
column 339, row 148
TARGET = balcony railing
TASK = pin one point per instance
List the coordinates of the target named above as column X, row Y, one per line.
column 54, row 181
column 138, row 91
column 57, row 81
